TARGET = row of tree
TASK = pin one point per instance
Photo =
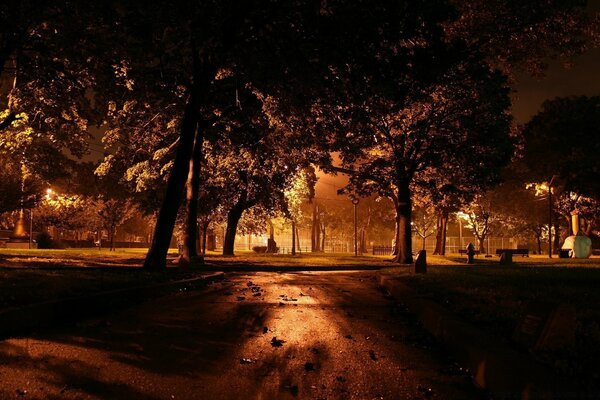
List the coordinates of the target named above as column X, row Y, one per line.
column 219, row 108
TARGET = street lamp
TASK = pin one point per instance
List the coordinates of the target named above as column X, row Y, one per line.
column 355, row 204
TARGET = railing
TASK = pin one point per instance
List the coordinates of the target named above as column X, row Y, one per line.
column 382, row 250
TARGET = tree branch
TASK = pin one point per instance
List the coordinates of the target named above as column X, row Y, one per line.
column 10, row 118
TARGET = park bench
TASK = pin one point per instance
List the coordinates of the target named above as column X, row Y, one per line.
column 464, row 251
column 514, row 252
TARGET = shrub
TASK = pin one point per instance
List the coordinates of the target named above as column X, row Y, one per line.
column 44, row 240
column 259, row 249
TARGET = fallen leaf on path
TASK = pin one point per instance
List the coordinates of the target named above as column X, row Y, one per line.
column 277, row 342
column 246, row 361
column 372, row 355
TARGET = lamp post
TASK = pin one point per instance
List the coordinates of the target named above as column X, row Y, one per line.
column 355, row 204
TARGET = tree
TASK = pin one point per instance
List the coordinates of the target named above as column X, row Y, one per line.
column 524, row 35
column 483, row 219
column 453, row 114
column 561, row 141
column 188, row 47
column 18, row 187
column 424, row 221
column 68, row 211
column 53, row 65
column 113, row 212
column 302, row 189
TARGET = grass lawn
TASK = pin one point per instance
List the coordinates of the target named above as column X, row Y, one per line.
column 245, row 257
column 73, row 257
column 32, row 276
column 494, row 297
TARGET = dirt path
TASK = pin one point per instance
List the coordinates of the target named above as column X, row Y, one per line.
column 253, row 336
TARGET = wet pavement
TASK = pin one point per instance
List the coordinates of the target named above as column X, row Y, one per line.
column 320, row 335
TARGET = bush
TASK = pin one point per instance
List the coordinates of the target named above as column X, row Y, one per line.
column 259, row 249
column 44, row 240
column 58, row 244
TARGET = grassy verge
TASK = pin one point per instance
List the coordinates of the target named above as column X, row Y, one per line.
column 299, row 260
column 73, row 257
column 33, row 276
column 495, row 297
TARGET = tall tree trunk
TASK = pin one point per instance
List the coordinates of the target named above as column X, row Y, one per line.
column 538, row 238
column 112, row 238
column 156, row 259
column 403, row 218
column 444, row 229
column 233, row 218
column 316, row 231
column 293, row 238
column 482, row 245
column 211, row 240
column 557, row 238
column 204, row 236
column 323, row 238
column 441, row 231
column 396, row 234
column 298, row 239
column 191, row 196
column 363, row 241
column 438, row 235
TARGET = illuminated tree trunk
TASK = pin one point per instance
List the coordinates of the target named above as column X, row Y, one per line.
column 440, row 236
column 204, row 236
column 557, row 238
column 363, row 234
column 403, row 218
column 111, row 238
column 192, row 187
column 293, row 238
column 233, row 218
column 156, row 259
column 538, row 238
column 396, row 235
column 316, row 231
column 482, row 245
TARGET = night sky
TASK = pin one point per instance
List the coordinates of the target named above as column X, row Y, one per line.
column 583, row 78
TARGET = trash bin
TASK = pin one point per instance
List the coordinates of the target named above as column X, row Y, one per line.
column 564, row 253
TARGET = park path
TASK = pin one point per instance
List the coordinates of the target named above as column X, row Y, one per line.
column 252, row 336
